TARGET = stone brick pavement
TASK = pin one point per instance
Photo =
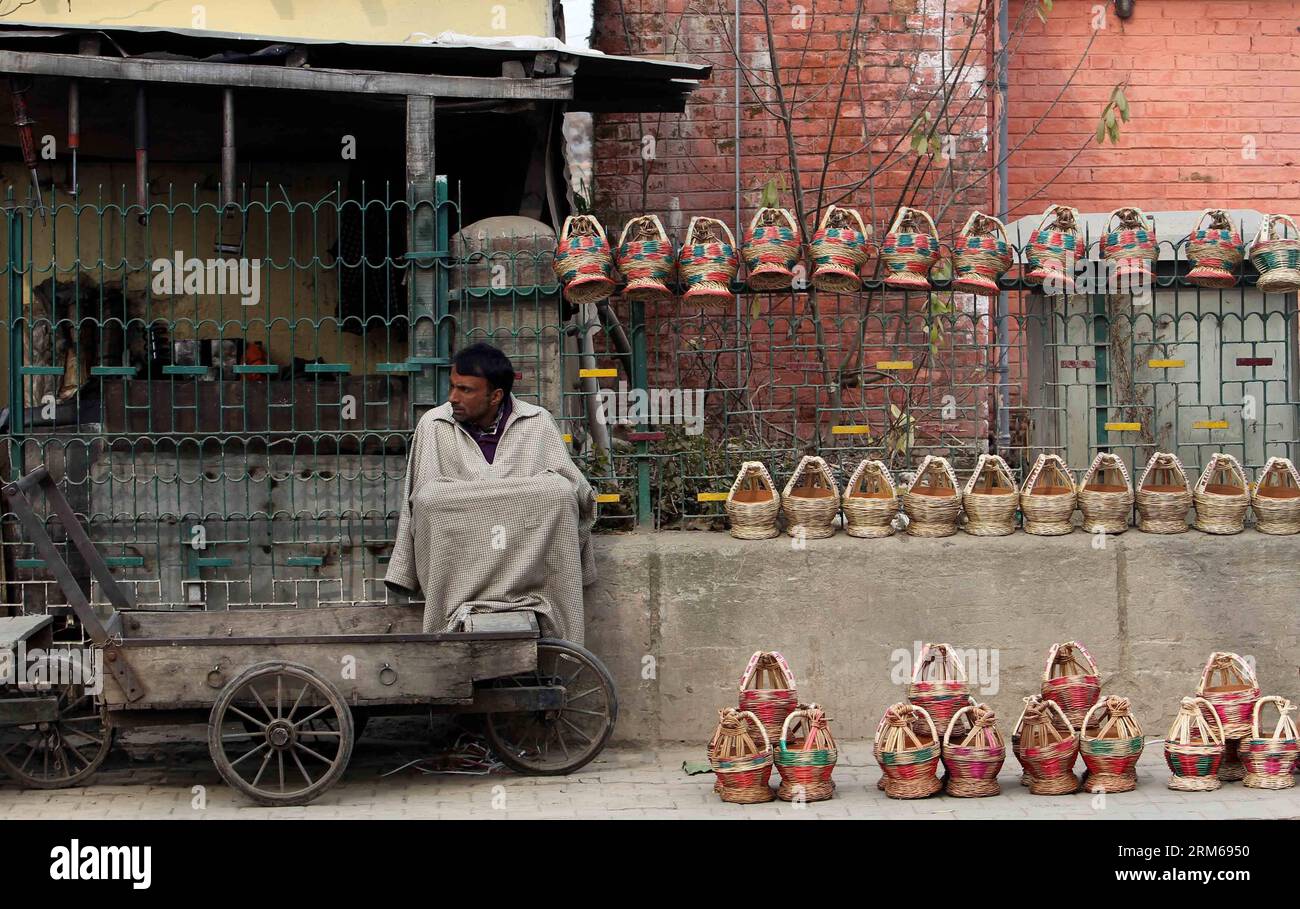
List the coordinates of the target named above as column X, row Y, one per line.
column 621, row 783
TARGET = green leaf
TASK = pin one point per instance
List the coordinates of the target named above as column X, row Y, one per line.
column 1047, row 5
column 1101, row 131
column 1110, row 118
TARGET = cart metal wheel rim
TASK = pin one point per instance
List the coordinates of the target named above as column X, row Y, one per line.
column 557, row 741
column 280, row 733
column 66, row 752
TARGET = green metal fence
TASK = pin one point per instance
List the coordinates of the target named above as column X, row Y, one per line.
column 214, row 476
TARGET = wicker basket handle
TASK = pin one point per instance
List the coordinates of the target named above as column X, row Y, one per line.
column 848, row 212
column 1283, row 708
column 748, row 471
column 652, row 220
column 1108, row 459
column 573, row 220
column 1053, row 213
column 1209, row 708
column 1266, row 228
column 946, row 655
column 952, row 723
column 1242, row 667
column 1032, row 699
column 1068, row 724
column 1218, row 220
column 1217, row 459
column 690, row 230
column 1140, row 216
column 1075, row 645
column 1282, row 464
column 752, row 668
column 903, row 212
column 1083, row 727
column 767, row 742
column 934, row 733
column 781, row 212
column 996, row 224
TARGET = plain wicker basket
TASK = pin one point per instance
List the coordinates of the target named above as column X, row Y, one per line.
column 753, row 503
column 646, row 258
column 806, row 764
column 1047, row 752
column 1106, row 495
column 1048, row 497
column 1229, row 685
column 909, row 760
column 938, row 683
column 1221, row 496
column 1194, row 747
column 932, row 501
column 767, row 689
column 1163, row 495
column 1276, row 256
column 974, row 762
column 583, row 260
column 742, row 769
column 839, row 250
column 990, row 499
column 1215, row 250
column 870, row 501
column 1269, row 759
column 1276, row 498
column 1071, row 680
column 1111, row 747
column 811, row 500
column 708, row 262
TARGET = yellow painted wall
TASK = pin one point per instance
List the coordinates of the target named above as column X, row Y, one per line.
column 392, row 21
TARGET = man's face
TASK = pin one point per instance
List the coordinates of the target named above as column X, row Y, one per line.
column 473, row 400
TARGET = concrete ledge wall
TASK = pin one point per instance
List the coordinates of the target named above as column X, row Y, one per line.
column 1149, row 608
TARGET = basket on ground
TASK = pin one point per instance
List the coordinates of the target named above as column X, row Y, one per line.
column 1048, row 497
column 767, row 690
column 753, row 503
column 771, row 249
column 1106, row 495
column 1048, row 747
column 811, row 500
column 741, row 757
column 646, row 260
column 932, row 501
column 1053, row 250
column 1111, row 746
column 1276, row 498
column 1163, row 495
column 938, row 683
column 1229, row 685
column 908, row 759
column 1071, row 680
column 990, row 499
column 1215, row 251
column 1221, row 496
column 973, row 762
column 806, row 756
column 1194, row 747
column 870, row 501
column 708, row 262
column 1270, row 758
column 1130, row 247
column 910, row 250
column 839, row 250
column 1276, row 256
column 583, row 260
column 982, row 255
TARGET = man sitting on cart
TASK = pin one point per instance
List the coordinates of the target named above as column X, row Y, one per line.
column 494, row 515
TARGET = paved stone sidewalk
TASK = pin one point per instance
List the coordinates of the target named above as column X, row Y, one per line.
column 619, row 784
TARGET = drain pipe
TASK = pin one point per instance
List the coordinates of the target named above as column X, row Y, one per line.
column 735, row 104
column 1004, row 298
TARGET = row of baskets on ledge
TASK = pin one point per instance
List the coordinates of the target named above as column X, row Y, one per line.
column 934, row 502
column 772, row 249
column 1216, row 735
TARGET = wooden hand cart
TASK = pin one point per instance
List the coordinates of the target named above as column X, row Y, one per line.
column 283, row 691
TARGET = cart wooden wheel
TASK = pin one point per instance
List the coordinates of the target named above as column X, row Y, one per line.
column 555, row 742
column 68, row 751
column 280, row 733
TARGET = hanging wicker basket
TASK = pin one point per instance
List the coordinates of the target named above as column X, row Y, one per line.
column 1215, row 251
column 1111, row 743
column 990, row 499
column 1221, row 496
column 1071, row 680
column 870, row 501
column 839, row 250
column 1270, row 758
column 708, row 262
column 1053, row 250
column 909, row 760
column 1048, row 497
column 806, row 757
column 583, row 261
column 741, row 757
column 1163, row 495
column 1106, row 495
column 647, row 261
column 1194, row 747
column 932, row 501
column 811, row 500
column 1130, row 247
column 771, row 249
column 1276, row 498
column 1277, row 257
column 1229, row 685
column 938, row 683
column 753, row 503
column 973, row 762
column 1048, row 749
column 767, row 690
column 910, row 250
column 982, row 256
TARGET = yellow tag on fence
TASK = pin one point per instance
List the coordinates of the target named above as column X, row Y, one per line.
column 597, row 373
column 893, row 364
column 1210, row 424
column 711, row 497
column 606, row 497
column 568, row 438
column 1124, row 427
column 850, row 430
column 1166, row 364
